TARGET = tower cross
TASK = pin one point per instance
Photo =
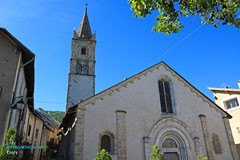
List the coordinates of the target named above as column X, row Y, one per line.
column 86, row 5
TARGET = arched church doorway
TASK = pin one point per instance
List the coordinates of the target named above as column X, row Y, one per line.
column 173, row 146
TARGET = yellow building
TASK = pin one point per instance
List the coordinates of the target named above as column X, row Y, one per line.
column 228, row 99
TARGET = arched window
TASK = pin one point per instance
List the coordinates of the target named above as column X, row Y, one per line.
column 106, row 143
column 216, row 144
column 169, row 143
column 79, row 69
column 165, row 96
column 83, row 51
column 85, row 69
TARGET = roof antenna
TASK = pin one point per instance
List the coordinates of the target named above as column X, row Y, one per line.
column 225, row 86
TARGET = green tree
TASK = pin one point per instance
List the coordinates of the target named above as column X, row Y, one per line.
column 5, row 152
column 103, row 155
column 57, row 115
column 171, row 12
column 156, row 155
column 200, row 158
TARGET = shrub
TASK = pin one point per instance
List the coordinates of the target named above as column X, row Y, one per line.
column 200, row 158
column 10, row 141
column 156, row 155
column 103, row 155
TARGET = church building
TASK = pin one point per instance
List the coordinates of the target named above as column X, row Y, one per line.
column 154, row 107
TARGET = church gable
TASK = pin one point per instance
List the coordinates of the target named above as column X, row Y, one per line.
column 133, row 109
column 155, row 83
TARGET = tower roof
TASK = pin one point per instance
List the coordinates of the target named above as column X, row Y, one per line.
column 84, row 30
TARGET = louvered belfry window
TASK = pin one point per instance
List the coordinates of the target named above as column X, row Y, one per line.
column 165, row 96
column 84, row 51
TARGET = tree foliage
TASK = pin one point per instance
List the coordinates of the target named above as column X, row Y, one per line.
column 200, row 158
column 57, row 115
column 10, row 141
column 103, row 155
column 171, row 12
column 156, row 155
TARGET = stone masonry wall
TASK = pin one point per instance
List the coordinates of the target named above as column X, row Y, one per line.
column 206, row 137
column 121, row 135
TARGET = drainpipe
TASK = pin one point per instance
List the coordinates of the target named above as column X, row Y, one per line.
column 15, row 88
column 18, row 76
column 28, row 112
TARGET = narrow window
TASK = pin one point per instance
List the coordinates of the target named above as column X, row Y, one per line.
column 36, row 135
column 29, row 130
column 106, row 143
column 84, row 51
column 232, row 103
column 165, row 96
column 162, row 96
column 216, row 144
column 85, row 69
column 79, row 69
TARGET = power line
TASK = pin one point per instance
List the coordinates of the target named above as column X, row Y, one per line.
column 178, row 43
column 162, row 55
column 47, row 102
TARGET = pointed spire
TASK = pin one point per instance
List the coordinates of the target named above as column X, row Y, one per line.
column 84, row 30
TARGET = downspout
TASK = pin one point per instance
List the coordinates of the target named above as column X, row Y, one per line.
column 28, row 110
column 15, row 87
column 14, row 94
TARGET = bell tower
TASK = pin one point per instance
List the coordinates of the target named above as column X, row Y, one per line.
column 81, row 78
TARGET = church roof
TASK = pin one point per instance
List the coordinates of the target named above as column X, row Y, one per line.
column 84, row 30
column 91, row 100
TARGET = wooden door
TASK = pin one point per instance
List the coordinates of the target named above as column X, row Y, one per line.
column 171, row 156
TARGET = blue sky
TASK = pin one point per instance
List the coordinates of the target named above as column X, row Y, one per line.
column 125, row 46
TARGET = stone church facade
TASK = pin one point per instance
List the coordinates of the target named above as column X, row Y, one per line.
column 154, row 107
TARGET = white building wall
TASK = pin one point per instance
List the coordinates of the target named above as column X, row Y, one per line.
column 141, row 101
column 80, row 88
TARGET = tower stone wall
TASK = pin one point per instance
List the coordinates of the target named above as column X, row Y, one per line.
column 81, row 80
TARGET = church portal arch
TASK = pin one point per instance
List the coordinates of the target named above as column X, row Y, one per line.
column 174, row 138
column 173, row 146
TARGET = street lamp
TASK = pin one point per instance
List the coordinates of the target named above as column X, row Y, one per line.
column 19, row 105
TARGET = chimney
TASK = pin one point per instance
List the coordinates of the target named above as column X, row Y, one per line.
column 238, row 84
